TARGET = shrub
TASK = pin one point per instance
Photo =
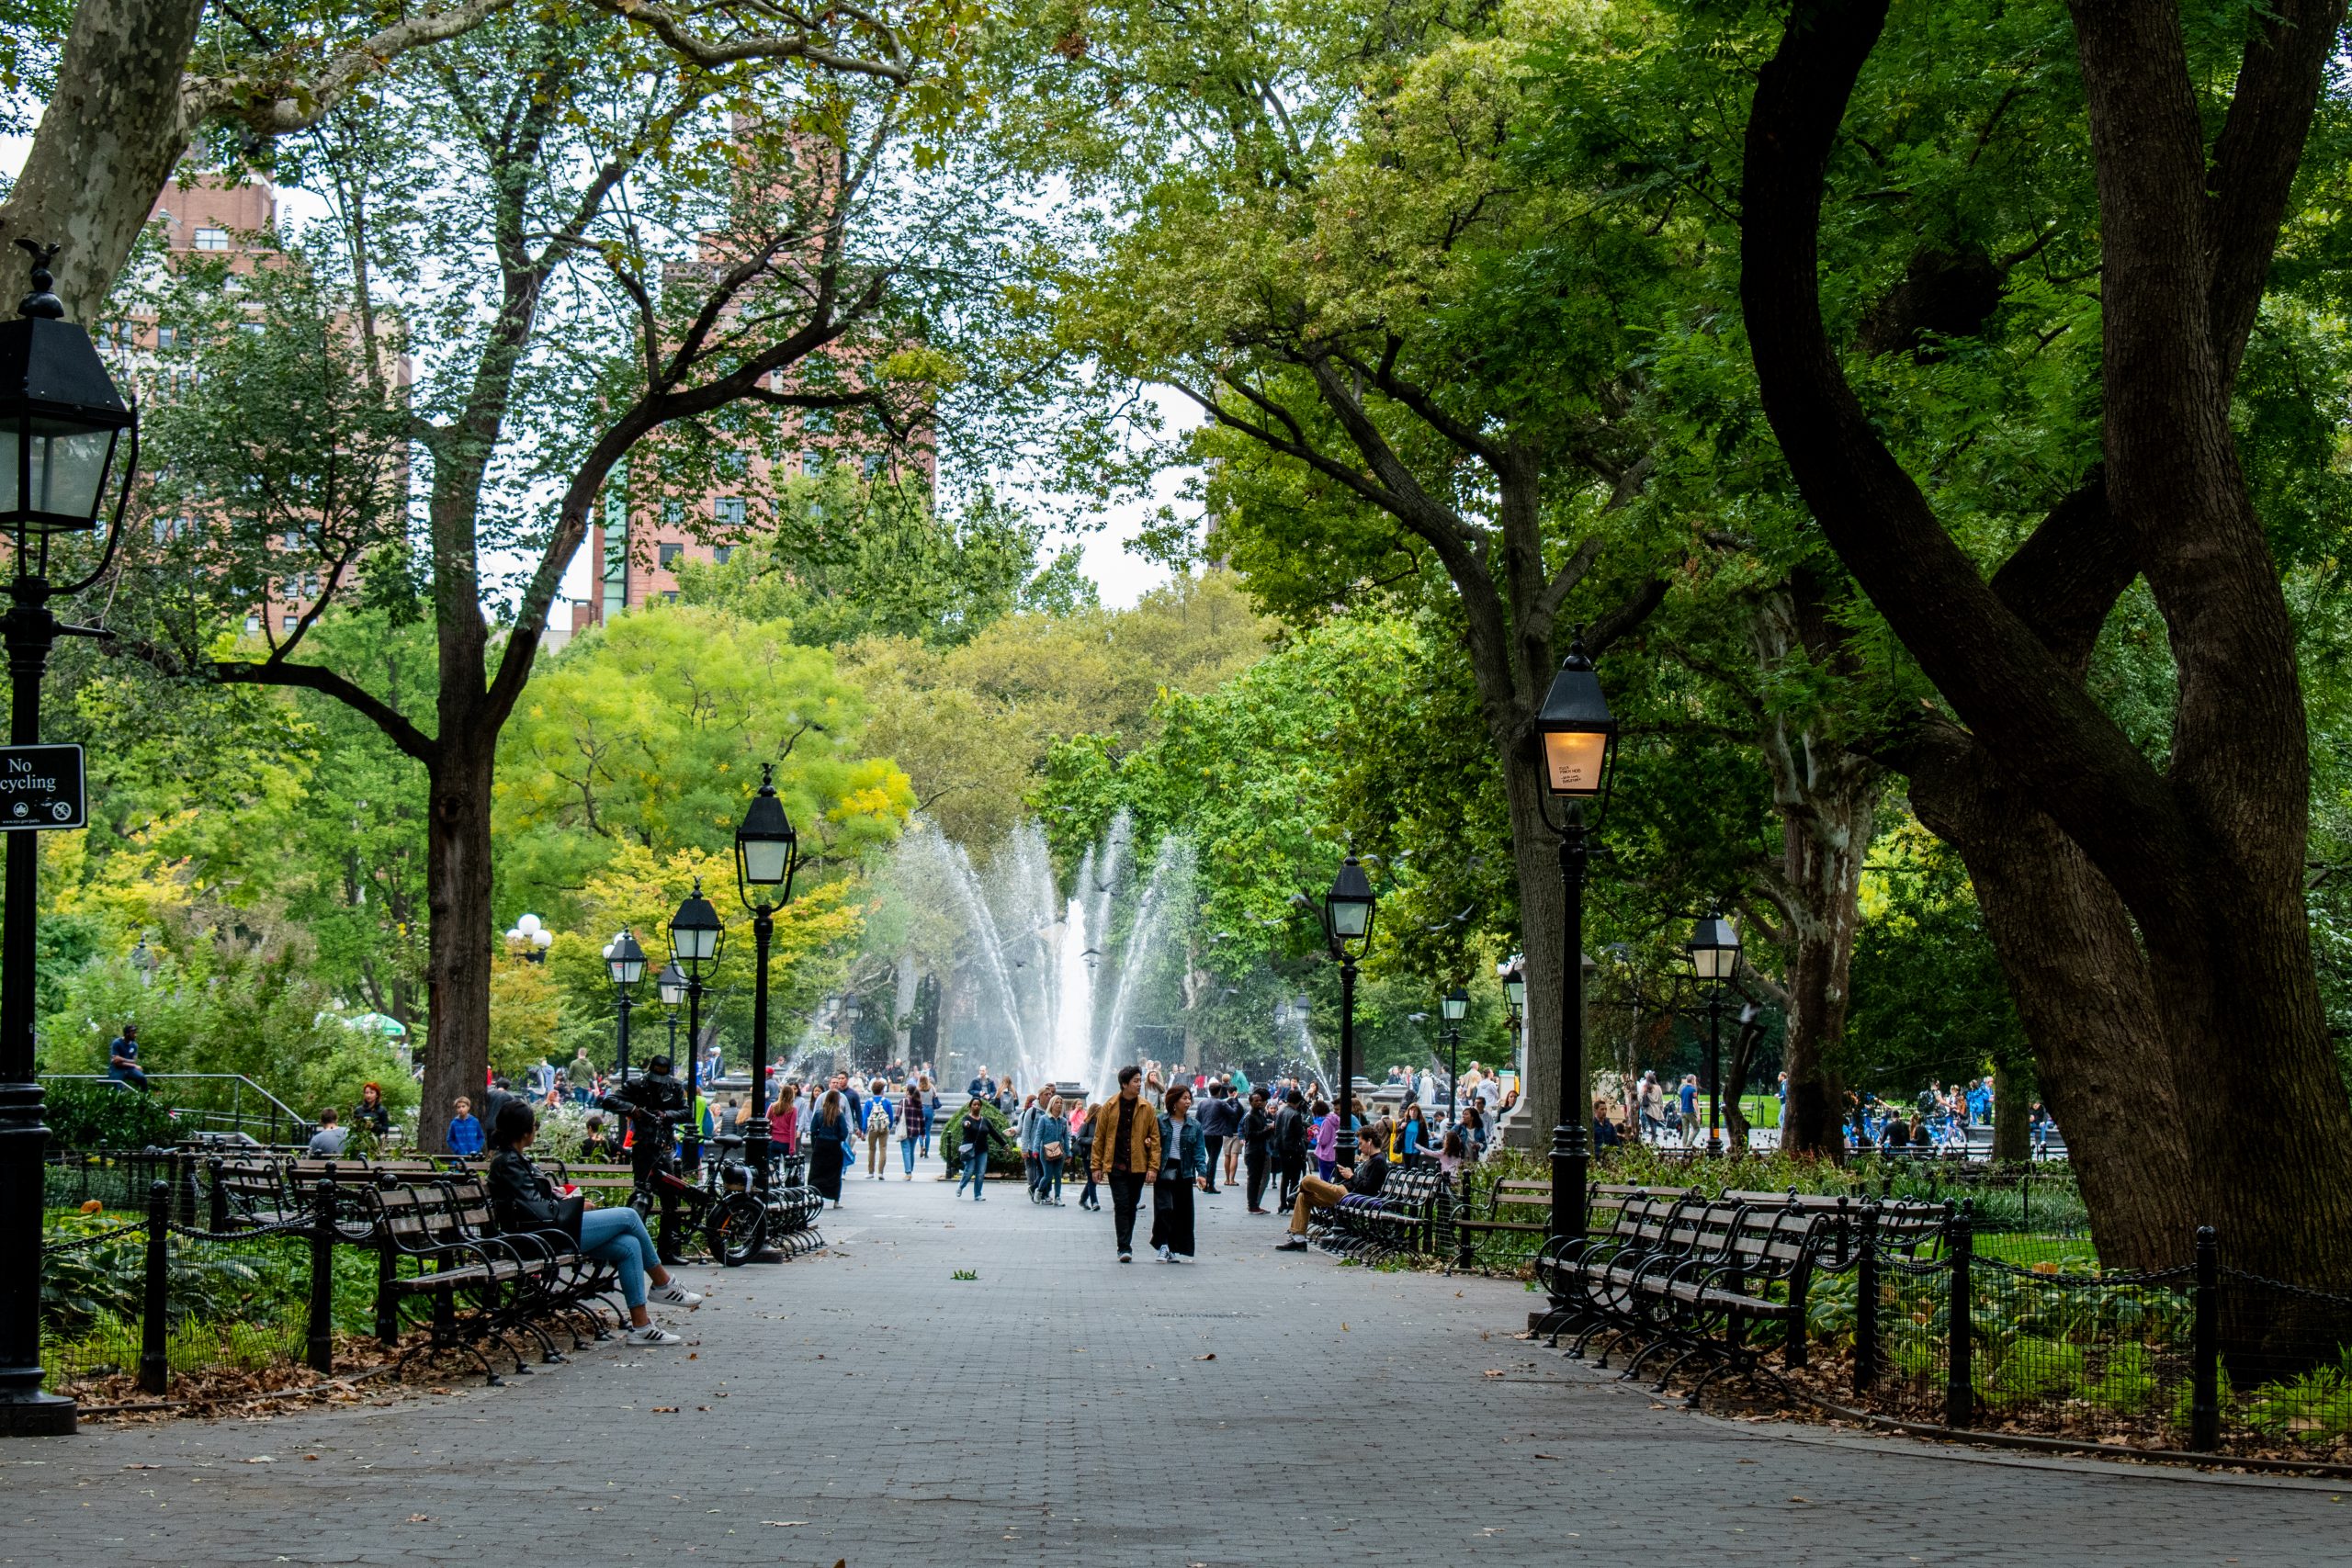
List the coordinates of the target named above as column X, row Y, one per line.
column 83, row 1115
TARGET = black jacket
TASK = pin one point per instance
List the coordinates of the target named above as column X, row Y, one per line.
column 1372, row 1172
column 519, row 1195
column 1290, row 1135
column 1256, row 1127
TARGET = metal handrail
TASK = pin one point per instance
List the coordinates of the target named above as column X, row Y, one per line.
column 280, row 1114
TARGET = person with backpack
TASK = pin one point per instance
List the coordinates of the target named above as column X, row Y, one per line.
column 976, row 1151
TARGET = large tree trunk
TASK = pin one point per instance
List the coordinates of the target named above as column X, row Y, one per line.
column 2075, row 968
column 108, row 142
column 1542, row 924
column 457, row 960
column 2012, row 1136
column 2206, row 854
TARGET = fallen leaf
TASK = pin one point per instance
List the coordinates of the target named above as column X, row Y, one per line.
column 1210, row 1357
column 783, row 1524
column 1547, row 1456
column 665, row 1410
column 310, row 1456
column 262, row 1458
column 1343, row 1328
column 693, row 1355
column 1494, row 1371
column 142, row 1467
column 1799, row 1499
column 420, row 1519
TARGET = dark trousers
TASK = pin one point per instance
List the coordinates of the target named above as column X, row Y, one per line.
column 1126, row 1191
column 1217, row 1147
column 1293, row 1172
column 1171, row 1215
column 1255, row 1164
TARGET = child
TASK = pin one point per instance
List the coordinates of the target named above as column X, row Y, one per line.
column 465, row 1132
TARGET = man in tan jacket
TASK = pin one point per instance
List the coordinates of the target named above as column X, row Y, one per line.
column 1126, row 1154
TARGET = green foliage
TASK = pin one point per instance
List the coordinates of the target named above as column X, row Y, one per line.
column 845, row 557
column 83, row 1115
column 1001, row 1144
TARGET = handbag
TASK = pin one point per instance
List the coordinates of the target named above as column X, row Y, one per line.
column 1052, row 1150
column 567, row 1216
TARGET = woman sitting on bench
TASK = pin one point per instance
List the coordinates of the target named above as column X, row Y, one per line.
column 525, row 1200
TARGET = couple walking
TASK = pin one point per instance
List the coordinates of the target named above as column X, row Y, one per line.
column 1139, row 1145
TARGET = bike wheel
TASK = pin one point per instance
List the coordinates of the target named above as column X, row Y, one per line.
column 737, row 1225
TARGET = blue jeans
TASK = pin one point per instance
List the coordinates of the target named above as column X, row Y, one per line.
column 975, row 1171
column 1049, row 1178
column 618, row 1236
column 906, row 1154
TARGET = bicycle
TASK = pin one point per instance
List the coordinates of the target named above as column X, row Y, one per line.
column 730, row 1216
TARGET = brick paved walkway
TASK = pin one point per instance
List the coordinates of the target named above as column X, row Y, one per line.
column 864, row 1405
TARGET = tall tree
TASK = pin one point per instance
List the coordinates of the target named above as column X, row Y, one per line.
column 2173, row 886
column 656, row 245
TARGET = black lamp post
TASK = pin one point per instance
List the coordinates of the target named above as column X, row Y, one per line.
column 61, row 417
column 1456, row 1006
column 625, row 960
column 1578, row 735
column 1713, row 948
column 529, row 938
column 671, row 987
column 767, row 852
column 694, row 938
column 1347, row 925
column 1512, row 972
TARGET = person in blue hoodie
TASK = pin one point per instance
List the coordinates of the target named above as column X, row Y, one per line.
column 465, row 1132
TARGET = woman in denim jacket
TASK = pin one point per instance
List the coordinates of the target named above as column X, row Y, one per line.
column 1184, row 1160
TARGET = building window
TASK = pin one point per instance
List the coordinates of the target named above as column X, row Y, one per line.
column 812, row 462
column 670, row 554
column 674, row 511
column 669, row 595
column 163, row 529
column 253, row 623
column 294, row 541
column 728, row 510
column 721, row 553
column 167, row 338
column 873, row 464
column 213, row 239
column 817, row 421
column 732, row 463
column 289, row 623
column 251, row 329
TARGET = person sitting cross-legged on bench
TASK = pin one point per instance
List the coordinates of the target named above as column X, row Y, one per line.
column 1371, row 1172
column 525, row 1200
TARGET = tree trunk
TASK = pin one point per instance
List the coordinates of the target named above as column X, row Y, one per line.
column 1826, row 797
column 1542, row 924
column 2074, row 965
column 2012, row 1135
column 458, row 958
column 108, row 142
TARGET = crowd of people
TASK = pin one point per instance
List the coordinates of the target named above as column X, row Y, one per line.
column 1937, row 1119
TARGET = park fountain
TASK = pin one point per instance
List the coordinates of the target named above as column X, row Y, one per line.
column 1037, row 963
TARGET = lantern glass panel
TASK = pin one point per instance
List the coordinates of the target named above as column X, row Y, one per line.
column 1456, row 1005
column 763, row 860
column 1573, row 760
column 1349, row 916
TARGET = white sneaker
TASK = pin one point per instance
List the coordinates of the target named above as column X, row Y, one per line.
column 653, row 1334
column 1166, row 1257
column 676, row 1295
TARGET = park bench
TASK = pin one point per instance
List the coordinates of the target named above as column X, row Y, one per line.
column 1521, row 1210
column 1401, row 1218
column 440, row 1253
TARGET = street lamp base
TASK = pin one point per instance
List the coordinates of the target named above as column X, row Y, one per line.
column 39, row 1414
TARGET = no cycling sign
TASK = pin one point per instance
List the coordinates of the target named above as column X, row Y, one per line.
column 41, row 786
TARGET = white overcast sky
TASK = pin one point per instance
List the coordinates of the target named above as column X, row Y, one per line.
column 1120, row 576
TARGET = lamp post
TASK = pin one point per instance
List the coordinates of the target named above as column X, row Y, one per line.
column 1713, row 948
column 696, row 936
column 1578, row 735
column 671, row 987
column 530, row 939
column 1456, row 1006
column 1347, row 925
column 625, row 960
column 1512, row 972
column 767, row 851
column 61, row 417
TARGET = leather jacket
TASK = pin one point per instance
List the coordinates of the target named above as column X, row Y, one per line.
column 519, row 1195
